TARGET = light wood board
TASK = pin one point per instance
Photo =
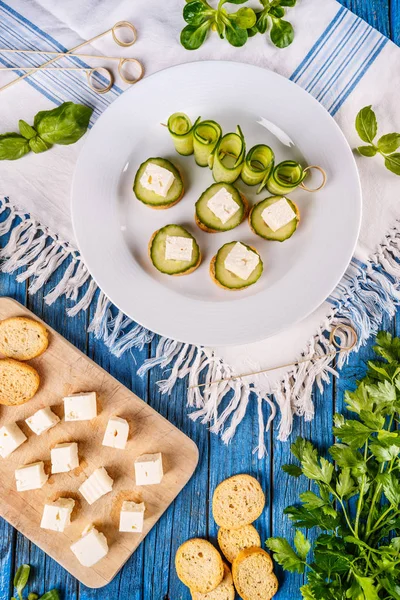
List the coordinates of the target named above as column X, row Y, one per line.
column 65, row 370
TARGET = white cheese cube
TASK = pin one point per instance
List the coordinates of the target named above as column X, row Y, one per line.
column 223, row 205
column 31, row 477
column 80, row 407
column 116, row 434
column 11, row 437
column 241, row 261
column 278, row 215
column 91, row 547
column 64, row 457
column 157, row 179
column 95, row 486
column 57, row 515
column 132, row 517
column 42, row 420
column 178, row 248
column 149, row 469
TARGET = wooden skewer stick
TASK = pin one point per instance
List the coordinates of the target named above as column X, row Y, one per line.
column 59, row 54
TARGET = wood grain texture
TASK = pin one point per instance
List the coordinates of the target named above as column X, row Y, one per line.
column 149, row 574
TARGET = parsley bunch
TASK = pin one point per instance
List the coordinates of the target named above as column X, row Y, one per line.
column 356, row 502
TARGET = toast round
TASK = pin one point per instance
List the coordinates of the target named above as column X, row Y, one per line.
column 237, row 501
column 224, row 591
column 199, row 565
column 19, row 382
column 253, row 576
column 22, row 338
column 232, row 541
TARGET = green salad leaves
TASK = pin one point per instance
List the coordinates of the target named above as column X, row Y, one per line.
column 20, row 582
column 237, row 26
column 64, row 125
column 354, row 501
column 367, row 129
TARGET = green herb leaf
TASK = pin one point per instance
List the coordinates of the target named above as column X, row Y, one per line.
column 346, row 457
column 292, row 470
column 192, row 37
column 392, row 163
column 302, row 545
column 282, row 33
column 391, row 487
column 235, row 35
column 245, row 18
column 299, row 447
column 285, row 555
column 64, row 125
column 368, row 587
column 345, row 485
column 38, row 145
column 262, row 22
column 13, row 146
column 277, row 11
column 366, row 124
column 389, row 143
column 33, row 596
column 196, row 12
column 26, row 130
column 353, row 433
column 311, row 500
column 287, row 2
column 235, row 1
column 21, row 578
column 367, row 150
column 307, row 592
column 51, row 595
column 383, row 451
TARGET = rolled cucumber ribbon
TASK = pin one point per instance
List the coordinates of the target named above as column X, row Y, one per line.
column 229, row 157
column 258, row 166
column 206, row 135
column 181, row 130
column 285, row 178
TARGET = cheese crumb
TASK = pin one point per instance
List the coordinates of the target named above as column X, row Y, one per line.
column 178, row 248
column 278, row 215
column 222, row 205
column 157, row 179
column 241, row 261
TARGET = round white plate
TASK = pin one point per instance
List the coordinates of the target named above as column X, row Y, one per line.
column 113, row 228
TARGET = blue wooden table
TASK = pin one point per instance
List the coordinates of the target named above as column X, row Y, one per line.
column 150, row 574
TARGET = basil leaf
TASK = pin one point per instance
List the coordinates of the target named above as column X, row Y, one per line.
column 26, row 130
column 366, row 124
column 21, row 578
column 51, row 595
column 282, row 33
column 13, row 146
column 389, row 143
column 367, row 150
column 235, row 35
column 193, row 37
column 195, row 13
column 392, row 163
column 245, row 18
column 64, row 125
column 38, row 145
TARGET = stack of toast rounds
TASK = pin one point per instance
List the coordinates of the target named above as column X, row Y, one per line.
column 21, row 339
column 237, row 502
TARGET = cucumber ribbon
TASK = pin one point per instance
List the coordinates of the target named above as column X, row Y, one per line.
column 258, row 166
column 206, row 135
column 289, row 175
column 181, row 129
column 229, row 157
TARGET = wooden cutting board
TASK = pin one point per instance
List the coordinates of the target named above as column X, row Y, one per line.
column 65, row 370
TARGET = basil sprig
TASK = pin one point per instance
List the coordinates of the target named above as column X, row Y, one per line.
column 63, row 125
column 238, row 26
column 20, row 582
column 367, row 129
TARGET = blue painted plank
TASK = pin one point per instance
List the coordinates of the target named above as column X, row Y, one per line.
column 375, row 12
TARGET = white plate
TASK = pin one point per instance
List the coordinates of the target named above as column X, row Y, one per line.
column 113, row 228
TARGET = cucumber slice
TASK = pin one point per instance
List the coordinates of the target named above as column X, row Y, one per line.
column 157, row 247
column 259, row 226
column 224, row 278
column 285, row 178
column 149, row 197
column 207, row 220
column 206, row 136
column 181, row 129
column 258, row 166
column 229, row 157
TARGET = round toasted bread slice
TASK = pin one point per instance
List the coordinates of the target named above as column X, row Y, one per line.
column 232, row 541
column 224, row 591
column 19, row 382
column 253, row 576
column 22, row 338
column 237, row 501
column 199, row 565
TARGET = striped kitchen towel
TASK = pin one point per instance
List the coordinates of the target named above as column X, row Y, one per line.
column 337, row 57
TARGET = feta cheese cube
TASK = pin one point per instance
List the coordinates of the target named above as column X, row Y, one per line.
column 157, row 179
column 57, row 515
column 178, row 248
column 95, row 486
column 42, row 420
column 278, row 215
column 91, row 547
column 149, row 469
column 80, row 407
column 132, row 517
column 241, row 261
column 116, row 434
column 64, row 457
column 30, row 477
column 11, row 437
column 222, row 205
